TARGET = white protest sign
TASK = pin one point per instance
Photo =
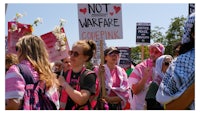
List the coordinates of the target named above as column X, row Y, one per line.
column 100, row 21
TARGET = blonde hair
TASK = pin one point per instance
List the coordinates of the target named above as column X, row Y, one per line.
column 32, row 48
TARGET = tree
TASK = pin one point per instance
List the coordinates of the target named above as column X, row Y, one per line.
column 171, row 36
column 157, row 35
column 174, row 34
column 136, row 53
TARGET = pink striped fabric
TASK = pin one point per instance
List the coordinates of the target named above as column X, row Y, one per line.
column 138, row 72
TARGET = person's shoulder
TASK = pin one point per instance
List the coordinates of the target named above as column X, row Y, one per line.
column 88, row 75
column 89, row 72
column 189, row 54
column 12, row 69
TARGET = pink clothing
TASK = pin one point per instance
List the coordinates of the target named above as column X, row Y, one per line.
column 64, row 95
column 15, row 84
column 138, row 72
column 138, row 101
column 116, row 80
column 117, row 83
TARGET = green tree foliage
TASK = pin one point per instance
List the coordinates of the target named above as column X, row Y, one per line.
column 171, row 36
column 174, row 34
column 136, row 53
column 157, row 35
column 89, row 65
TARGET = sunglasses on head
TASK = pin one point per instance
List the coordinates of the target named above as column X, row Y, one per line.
column 74, row 53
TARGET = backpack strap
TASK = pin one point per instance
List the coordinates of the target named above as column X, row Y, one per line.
column 85, row 73
column 27, row 75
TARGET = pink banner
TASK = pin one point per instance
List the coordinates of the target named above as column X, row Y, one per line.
column 54, row 53
column 15, row 31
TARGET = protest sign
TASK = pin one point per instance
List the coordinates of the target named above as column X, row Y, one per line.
column 191, row 8
column 100, row 21
column 143, row 33
column 15, row 31
column 125, row 57
column 57, row 48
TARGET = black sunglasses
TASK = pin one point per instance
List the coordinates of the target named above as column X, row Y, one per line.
column 74, row 53
column 167, row 63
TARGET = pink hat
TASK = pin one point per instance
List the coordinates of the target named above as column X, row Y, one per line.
column 158, row 46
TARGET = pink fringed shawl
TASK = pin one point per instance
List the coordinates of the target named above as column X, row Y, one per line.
column 121, row 91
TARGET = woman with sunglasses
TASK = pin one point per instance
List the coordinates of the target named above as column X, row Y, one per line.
column 116, row 82
column 161, row 66
column 76, row 93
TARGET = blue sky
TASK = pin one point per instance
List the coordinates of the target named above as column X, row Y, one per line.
column 158, row 14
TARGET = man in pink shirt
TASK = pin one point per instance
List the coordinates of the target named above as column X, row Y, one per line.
column 142, row 76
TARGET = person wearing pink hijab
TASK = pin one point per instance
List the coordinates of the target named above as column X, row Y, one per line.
column 143, row 74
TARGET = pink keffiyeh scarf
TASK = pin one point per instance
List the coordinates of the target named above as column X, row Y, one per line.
column 121, row 91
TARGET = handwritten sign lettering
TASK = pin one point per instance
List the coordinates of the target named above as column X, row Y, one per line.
column 100, row 21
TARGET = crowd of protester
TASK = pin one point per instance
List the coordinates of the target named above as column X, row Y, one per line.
column 154, row 84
